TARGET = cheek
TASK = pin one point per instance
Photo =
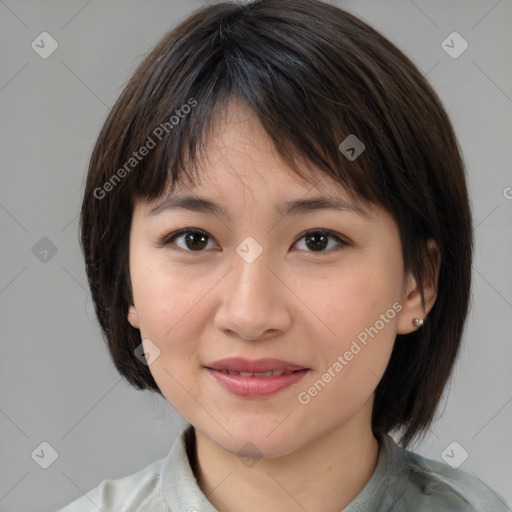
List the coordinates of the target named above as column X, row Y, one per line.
column 171, row 308
column 346, row 301
column 358, row 307
column 167, row 302
column 353, row 363
column 159, row 293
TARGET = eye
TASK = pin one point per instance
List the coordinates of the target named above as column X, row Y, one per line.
column 191, row 240
column 318, row 240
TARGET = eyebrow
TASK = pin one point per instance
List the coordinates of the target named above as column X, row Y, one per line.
column 288, row 208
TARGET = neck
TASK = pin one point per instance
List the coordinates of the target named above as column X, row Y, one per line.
column 326, row 475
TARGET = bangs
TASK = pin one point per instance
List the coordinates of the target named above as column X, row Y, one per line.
column 306, row 105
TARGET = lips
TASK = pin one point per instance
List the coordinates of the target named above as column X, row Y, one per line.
column 255, row 378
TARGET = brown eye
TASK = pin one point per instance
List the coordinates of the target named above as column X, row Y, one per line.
column 189, row 240
column 196, row 241
column 317, row 241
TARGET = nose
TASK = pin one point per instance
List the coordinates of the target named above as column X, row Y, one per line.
column 255, row 303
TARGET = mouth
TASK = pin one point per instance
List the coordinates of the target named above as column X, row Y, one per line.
column 271, row 373
column 267, row 367
column 255, row 378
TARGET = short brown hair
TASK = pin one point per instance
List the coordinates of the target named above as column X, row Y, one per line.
column 313, row 74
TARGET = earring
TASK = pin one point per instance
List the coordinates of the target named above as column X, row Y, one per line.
column 417, row 322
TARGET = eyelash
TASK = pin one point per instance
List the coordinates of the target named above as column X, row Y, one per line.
column 167, row 240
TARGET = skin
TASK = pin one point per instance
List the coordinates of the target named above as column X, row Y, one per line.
column 291, row 303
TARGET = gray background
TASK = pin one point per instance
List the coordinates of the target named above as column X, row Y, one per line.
column 57, row 383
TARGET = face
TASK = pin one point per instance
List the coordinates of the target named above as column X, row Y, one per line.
column 322, row 289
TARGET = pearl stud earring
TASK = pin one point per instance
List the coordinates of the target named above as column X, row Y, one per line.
column 417, row 322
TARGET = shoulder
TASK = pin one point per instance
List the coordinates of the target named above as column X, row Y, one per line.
column 433, row 485
column 138, row 491
column 160, row 486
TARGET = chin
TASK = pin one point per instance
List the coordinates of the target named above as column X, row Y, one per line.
column 255, row 438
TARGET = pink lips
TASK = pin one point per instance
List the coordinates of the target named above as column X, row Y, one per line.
column 272, row 375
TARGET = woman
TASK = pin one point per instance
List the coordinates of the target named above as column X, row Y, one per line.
column 278, row 240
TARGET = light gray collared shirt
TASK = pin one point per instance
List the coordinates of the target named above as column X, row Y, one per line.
column 403, row 481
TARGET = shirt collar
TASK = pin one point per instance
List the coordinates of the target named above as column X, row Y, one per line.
column 179, row 487
column 181, row 492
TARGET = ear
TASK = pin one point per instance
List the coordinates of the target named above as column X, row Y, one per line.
column 413, row 305
column 133, row 317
